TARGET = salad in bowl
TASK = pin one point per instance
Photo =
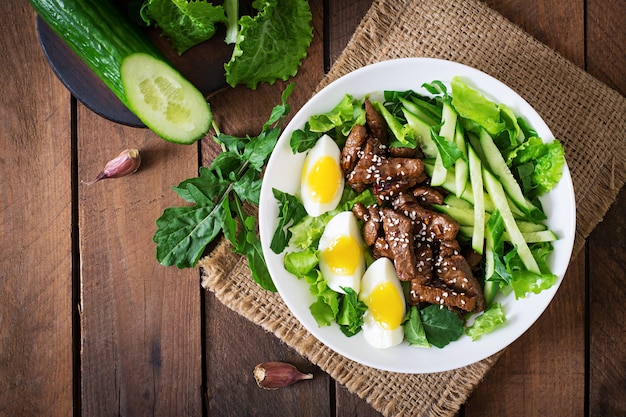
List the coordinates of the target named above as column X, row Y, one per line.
column 417, row 215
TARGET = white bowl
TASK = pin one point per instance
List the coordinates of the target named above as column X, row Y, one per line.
column 283, row 172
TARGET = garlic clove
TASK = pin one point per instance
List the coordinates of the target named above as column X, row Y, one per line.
column 273, row 375
column 126, row 163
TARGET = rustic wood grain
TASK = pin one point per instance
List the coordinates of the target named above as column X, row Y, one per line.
column 140, row 322
column 35, row 243
column 606, row 37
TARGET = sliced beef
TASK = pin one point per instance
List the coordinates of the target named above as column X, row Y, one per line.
column 431, row 225
column 376, row 123
column 454, row 270
column 419, row 293
column 427, row 196
column 372, row 222
column 400, row 237
column 350, row 151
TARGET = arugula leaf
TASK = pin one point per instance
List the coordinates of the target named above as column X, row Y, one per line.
column 291, row 211
column 302, row 140
column 218, row 195
column 271, row 45
column 448, row 150
column 414, row 330
column 350, row 315
column 184, row 23
column 441, row 325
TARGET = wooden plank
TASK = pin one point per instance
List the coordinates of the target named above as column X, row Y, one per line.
column 140, row 326
column 607, row 314
column 35, row 224
column 234, row 346
column 525, row 379
column 606, row 40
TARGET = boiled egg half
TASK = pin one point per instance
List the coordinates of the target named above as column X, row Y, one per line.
column 382, row 292
column 341, row 256
column 322, row 179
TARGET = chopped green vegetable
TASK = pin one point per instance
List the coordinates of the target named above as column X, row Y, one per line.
column 218, row 194
column 487, row 322
column 441, row 325
column 291, row 212
column 272, row 44
column 414, row 330
column 348, row 112
column 350, row 316
column 184, row 23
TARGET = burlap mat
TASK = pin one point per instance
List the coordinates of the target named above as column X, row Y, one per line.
column 586, row 115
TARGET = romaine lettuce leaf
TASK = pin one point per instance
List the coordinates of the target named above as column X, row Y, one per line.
column 470, row 104
column 270, row 45
column 184, row 23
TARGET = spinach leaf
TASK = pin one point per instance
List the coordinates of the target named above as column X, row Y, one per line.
column 441, row 325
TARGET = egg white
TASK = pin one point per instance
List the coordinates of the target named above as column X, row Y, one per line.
column 310, row 193
column 341, row 225
column 379, row 272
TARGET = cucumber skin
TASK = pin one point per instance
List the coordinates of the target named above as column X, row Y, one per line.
column 99, row 34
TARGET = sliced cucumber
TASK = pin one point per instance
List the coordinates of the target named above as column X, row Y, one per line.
column 498, row 166
column 421, row 130
column 130, row 65
column 164, row 100
column 476, row 179
column 461, row 167
column 418, row 111
column 496, row 190
column 447, row 131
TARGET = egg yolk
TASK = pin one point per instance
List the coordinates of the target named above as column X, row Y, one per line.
column 323, row 179
column 385, row 305
column 343, row 255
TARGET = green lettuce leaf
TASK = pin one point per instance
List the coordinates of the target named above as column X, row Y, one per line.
column 524, row 281
column 487, row 322
column 472, row 105
column 184, row 23
column 272, row 44
column 348, row 112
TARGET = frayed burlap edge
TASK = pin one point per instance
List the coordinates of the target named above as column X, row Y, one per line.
column 584, row 114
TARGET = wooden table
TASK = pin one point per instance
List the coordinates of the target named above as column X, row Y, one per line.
column 91, row 324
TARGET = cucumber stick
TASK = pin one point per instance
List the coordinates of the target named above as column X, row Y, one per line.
column 447, row 131
column 476, row 178
column 496, row 191
column 130, row 65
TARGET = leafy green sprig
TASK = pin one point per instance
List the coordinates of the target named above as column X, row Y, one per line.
column 218, row 196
